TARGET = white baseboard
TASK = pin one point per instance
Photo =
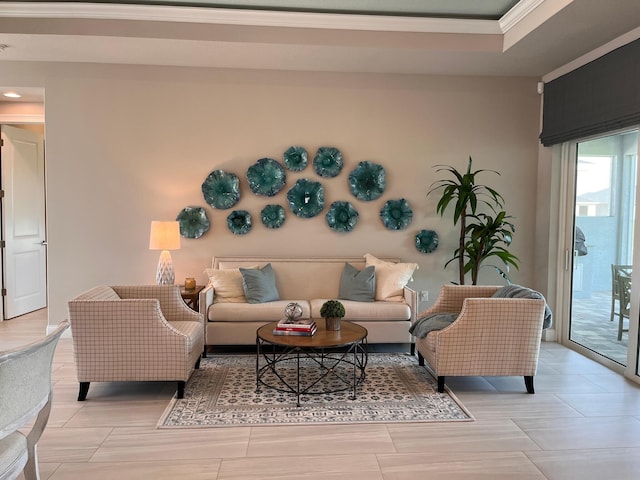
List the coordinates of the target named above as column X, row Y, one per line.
column 549, row 335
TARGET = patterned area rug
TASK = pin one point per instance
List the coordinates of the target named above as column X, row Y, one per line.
column 395, row 389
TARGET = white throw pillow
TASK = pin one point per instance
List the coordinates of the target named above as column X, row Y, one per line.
column 227, row 285
column 391, row 278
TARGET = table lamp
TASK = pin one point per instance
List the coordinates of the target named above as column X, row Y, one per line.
column 165, row 236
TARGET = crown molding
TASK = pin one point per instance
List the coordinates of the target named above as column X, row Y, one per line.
column 163, row 13
column 519, row 11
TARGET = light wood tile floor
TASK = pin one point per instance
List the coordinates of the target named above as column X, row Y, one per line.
column 583, row 423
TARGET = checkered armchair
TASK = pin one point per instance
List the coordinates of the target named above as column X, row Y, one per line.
column 489, row 337
column 134, row 333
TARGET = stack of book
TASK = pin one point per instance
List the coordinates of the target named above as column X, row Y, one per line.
column 299, row 326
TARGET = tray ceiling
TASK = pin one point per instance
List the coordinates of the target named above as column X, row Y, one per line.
column 432, row 37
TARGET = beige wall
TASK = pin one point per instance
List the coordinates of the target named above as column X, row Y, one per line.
column 127, row 145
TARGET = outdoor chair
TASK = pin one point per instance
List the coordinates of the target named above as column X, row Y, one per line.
column 624, row 290
column 616, row 271
column 25, row 393
column 134, row 333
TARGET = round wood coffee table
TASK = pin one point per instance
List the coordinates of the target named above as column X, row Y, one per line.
column 330, row 361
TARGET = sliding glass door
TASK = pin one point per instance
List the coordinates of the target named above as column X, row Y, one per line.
column 603, row 248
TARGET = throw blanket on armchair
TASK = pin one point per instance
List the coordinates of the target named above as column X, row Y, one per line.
column 435, row 321
column 518, row 291
column 438, row 321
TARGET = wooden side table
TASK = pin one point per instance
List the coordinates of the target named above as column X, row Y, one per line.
column 190, row 297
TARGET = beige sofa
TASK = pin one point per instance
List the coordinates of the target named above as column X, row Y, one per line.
column 308, row 282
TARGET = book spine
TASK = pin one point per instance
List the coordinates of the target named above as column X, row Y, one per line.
column 295, row 329
column 300, row 333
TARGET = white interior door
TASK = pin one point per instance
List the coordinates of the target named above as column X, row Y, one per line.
column 23, row 215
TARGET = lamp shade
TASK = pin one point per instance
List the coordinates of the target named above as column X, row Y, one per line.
column 164, row 236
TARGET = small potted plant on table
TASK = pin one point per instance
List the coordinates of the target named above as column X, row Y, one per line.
column 332, row 311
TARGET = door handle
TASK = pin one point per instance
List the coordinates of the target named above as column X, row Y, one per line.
column 44, row 242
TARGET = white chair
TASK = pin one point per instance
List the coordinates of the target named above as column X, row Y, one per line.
column 25, row 392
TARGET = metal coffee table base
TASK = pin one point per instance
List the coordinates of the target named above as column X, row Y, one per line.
column 328, row 361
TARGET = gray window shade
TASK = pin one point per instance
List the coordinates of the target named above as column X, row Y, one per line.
column 601, row 96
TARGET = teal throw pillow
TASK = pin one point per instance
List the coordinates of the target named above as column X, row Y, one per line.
column 259, row 284
column 358, row 285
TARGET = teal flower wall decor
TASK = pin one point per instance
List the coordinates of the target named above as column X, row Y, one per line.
column 396, row 214
column 295, row 158
column 328, row 162
column 193, row 222
column 367, row 181
column 239, row 222
column 266, row 177
column 306, row 198
column 221, row 189
column 272, row 216
column 342, row 217
column 426, row 241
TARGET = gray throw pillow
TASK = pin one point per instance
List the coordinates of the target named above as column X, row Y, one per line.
column 358, row 285
column 259, row 284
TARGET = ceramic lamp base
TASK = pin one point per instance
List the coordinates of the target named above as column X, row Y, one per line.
column 165, row 274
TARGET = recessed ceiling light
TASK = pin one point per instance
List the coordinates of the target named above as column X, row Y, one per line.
column 12, row 94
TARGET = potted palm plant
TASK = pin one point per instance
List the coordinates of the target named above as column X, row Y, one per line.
column 332, row 311
column 483, row 234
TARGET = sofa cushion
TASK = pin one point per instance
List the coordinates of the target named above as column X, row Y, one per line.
column 259, row 284
column 391, row 278
column 227, row 285
column 357, row 285
column 370, row 311
column 248, row 312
